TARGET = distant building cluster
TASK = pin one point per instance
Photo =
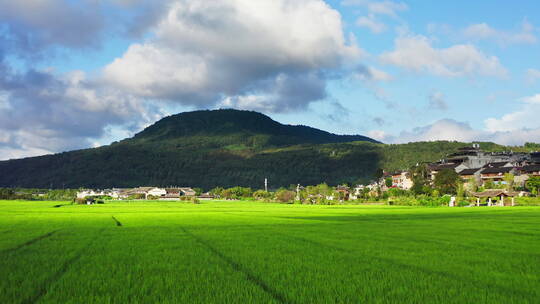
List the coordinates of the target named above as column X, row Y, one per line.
column 172, row 193
column 471, row 163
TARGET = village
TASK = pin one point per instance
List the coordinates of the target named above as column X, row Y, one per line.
column 498, row 174
column 493, row 179
column 146, row 193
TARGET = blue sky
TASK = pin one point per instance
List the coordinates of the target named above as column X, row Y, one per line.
column 77, row 74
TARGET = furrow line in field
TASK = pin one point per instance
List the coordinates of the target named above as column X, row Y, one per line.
column 58, row 275
column 30, row 242
column 117, row 222
column 238, row 267
column 397, row 264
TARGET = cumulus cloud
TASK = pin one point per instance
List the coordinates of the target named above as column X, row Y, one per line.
column 239, row 53
column 482, row 31
column 270, row 56
column 514, row 128
column 280, row 94
column 416, row 53
column 437, row 101
column 35, row 29
column 43, row 112
column 367, row 73
column 445, row 129
column 33, row 25
column 449, row 129
column 525, row 117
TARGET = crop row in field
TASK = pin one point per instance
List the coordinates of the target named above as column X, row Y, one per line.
column 255, row 252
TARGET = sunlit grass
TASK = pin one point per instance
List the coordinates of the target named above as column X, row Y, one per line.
column 246, row 252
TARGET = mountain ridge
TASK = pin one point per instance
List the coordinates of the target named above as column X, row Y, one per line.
column 228, row 121
column 208, row 151
column 202, row 148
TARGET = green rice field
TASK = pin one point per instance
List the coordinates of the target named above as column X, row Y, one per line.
column 247, row 252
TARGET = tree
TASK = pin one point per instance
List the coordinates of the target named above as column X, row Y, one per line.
column 489, row 184
column 472, row 184
column 216, row 191
column 460, row 192
column 198, row 191
column 324, row 189
column 420, row 176
column 446, row 181
column 388, row 182
column 227, row 194
column 509, row 181
column 533, row 184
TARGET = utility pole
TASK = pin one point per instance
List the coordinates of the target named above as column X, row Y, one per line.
column 266, row 184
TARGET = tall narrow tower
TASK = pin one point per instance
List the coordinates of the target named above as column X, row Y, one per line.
column 266, row 184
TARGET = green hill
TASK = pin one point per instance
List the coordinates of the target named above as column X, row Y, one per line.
column 222, row 148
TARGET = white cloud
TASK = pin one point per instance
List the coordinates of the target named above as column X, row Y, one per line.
column 365, row 73
column 267, row 55
column 448, row 129
column 532, row 75
column 374, row 8
column 371, row 23
column 35, row 25
column 525, row 117
column 45, row 113
column 385, row 7
column 205, row 52
column 535, row 99
column 482, row 31
column 514, row 128
column 416, row 53
column 281, row 94
column 379, row 135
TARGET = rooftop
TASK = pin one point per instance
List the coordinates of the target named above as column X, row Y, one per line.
column 530, row 168
column 499, row 170
column 469, row 171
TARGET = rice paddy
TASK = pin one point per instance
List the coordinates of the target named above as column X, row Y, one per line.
column 247, row 252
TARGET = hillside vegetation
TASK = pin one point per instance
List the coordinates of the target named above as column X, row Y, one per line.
column 223, row 148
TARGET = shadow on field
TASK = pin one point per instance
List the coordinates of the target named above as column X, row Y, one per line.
column 30, row 242
column 118, row 223
column 45, row 286
column 238, row 267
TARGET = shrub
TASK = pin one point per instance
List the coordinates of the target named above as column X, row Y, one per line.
column 527, row 201
column 261, row 194
column 80, row 201
column 421, row 200
column 285, row 196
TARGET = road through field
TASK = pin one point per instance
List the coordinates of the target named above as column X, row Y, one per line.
column 247, row 252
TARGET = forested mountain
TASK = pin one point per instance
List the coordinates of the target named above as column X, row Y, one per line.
column 221, row 148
